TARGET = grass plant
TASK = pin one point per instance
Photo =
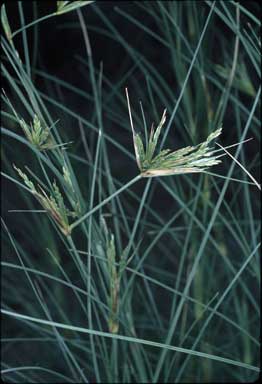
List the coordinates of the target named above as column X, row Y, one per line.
column 111, row 271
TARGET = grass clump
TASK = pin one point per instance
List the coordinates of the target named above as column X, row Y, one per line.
column 36, row 134
column 149, row 282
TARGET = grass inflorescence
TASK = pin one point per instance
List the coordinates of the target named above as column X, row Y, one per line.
column 186, row 160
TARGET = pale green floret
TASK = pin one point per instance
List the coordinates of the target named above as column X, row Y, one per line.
column 27, row 182
column 74, row 200
column 67, row 6
column 67, row 177
column 5, row 24
column 36, row 134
